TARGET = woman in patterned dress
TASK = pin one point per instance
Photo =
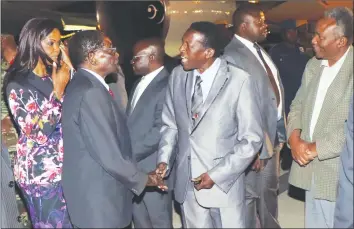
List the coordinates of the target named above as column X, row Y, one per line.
column 34, row 87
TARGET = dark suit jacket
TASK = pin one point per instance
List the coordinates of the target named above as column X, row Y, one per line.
column 98, row 175
column 291, row 63
column 239, row 55
column 145, row 121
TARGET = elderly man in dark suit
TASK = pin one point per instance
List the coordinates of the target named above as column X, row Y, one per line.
column 99, row 178
column 153, row 209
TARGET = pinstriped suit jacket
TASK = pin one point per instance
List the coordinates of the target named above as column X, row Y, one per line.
column 329, row 130
column 9, row 210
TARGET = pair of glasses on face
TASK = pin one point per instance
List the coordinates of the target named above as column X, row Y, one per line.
column 111, row 51
column 135, row 58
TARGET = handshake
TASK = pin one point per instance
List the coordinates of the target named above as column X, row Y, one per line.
column 156, row 178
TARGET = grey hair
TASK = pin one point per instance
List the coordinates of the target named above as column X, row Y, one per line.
column 344, row 21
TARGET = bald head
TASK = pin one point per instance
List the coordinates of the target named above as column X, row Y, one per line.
column 148, row 55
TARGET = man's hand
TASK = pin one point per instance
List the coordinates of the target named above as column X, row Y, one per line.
column 203, row 182
column 259, row 164
column 161, row 170
column 299, row 148
column 312, row 152
column 156, row 181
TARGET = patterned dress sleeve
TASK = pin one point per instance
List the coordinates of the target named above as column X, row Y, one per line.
column 37, row 118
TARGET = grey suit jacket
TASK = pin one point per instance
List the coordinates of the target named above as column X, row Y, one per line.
column 9, row 210
column 145, row 121
column 344, row 209
column 274, row 131
column 97, row 170
column 329, row 130
column 224, row 140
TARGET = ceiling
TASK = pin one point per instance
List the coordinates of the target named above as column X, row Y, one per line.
column 14, row 14
column 304, row 10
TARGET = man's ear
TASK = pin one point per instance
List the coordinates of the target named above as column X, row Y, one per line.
column 92, row 59
column 209, row 53
column 343, row 41
column 152, row 57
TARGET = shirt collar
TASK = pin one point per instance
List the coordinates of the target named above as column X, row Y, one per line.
column 212, row 70
column 152, row 74
column 338, row 63
column 246, row 42
column 98, row 77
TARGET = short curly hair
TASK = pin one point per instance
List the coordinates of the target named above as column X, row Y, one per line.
column 82, row 43
column 211, row 34
column 344, row 21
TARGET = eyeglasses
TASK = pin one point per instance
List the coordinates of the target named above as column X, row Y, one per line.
column 111, row 51
column 135, row 58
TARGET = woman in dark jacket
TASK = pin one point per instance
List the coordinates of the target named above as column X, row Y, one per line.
column 34, row 87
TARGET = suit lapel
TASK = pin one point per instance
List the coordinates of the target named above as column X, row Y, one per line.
column 279, row 80
column 149, row 90
column 114, row 88
column 129, row 107
column 336, row 90
column 189, row 84
column 219, row 82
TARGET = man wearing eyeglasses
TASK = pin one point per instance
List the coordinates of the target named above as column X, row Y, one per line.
column 152, row 209
column 99, row 177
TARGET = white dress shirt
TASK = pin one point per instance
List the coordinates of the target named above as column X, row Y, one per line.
column 207, row 77
column 328, row 75
column 271, row 65
column 143, row 84
column 100, row 78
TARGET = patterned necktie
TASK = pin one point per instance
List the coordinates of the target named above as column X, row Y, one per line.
column 111, row 93
column 269, row 73
column 197, row 99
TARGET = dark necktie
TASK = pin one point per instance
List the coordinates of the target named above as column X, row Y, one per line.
column 111, row 93
column 269, row 73
column 197, row 99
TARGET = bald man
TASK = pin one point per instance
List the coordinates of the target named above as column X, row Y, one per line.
column 153, row 209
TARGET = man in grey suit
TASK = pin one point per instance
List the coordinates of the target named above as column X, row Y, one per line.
column 152, row 209
column 212, row 116
column 9, row 211
column 262, row 178
column 317, row 115
column 99, row 178
column 343, row 217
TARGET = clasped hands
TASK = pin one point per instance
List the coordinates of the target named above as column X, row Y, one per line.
column 202, row 182
column 302, row 152
column 155, row 180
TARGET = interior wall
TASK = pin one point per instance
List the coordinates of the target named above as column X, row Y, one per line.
column 183, row 13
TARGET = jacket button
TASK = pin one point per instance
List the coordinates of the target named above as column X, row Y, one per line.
column 11, row 184
column 19, row 219
column 189, row 157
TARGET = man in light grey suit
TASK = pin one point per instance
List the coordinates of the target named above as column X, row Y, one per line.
column 343, row 217
column 262, row 178
column 212, row 116
column 317, row 115
column 152, row 209
column 9, row 211
column 99, row 178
